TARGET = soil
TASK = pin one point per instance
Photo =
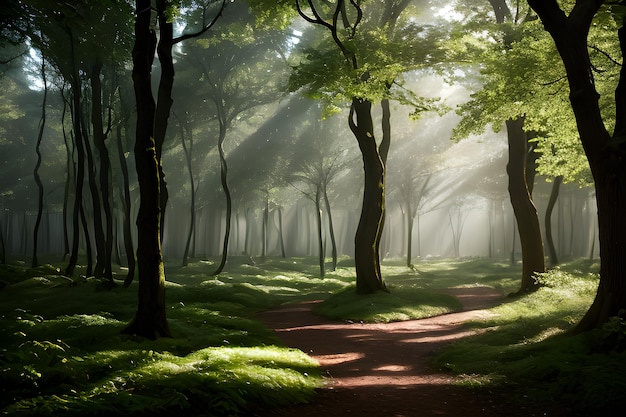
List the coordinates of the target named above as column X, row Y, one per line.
column 384, row 369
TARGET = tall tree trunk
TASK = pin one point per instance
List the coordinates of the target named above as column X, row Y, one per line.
column 229, row 201
column 554, row 195
column 409, row 238
column 331, row 230
column 128, row 237
column 523, row 207
column 369, row 229
column 88, row 249
column 192, row 209
column 69, row 175
column 150, row 319
column 96, row 205
column 80, row 160
column 266, row 216
column 42, row 125
column 99, row 138
column 280, row 232
column 320, row 233
column 164, row 97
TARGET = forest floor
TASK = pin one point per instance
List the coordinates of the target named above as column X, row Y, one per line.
column 384, row 369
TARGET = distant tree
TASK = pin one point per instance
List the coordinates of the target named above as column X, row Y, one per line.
column 605, row 151
column 240, row 71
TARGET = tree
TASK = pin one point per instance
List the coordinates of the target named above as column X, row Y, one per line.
column 506, row 96
column 362, row 66
column 150, row 320
column 42, row 125
column 605, row 151
column 240, row 71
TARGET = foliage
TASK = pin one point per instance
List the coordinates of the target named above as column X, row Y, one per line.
column 520, row 75
column 523, row 345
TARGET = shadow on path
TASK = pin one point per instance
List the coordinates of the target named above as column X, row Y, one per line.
column 383, row 369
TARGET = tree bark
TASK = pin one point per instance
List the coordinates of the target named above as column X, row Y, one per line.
column 150, row 319
column 229, row 200
column 605, row 152
column 188, row 150
column 320, row 240
column 99, row 138
column 523, row 207
column 42, row 125
column 128, row 237
column 554, row 195
column 369, row 229
column 80, row 160
column 331, row 230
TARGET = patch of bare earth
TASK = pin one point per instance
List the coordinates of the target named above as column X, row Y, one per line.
column 383, row 369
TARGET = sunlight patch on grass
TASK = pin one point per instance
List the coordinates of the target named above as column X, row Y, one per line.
column 402, row 303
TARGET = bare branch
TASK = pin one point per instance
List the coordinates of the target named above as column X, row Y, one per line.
column 204, row 29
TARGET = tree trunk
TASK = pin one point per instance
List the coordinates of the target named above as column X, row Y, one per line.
column 320, row 232
column 69, row 167
column 192, row 209
column 523, row 207
column 96, row 205
column 409, row 238
column 554, row 195
column 42, row 125
column 331, row 230
column 229, row 200
column 88, row 250
column 280, row 232
column 150, row 320
column 369, row 229
column 128, row 237
column 605, row 153
column 80, row 161
column 99, row 138
column 164, row 97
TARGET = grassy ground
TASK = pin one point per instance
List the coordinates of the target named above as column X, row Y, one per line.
column 61, row 352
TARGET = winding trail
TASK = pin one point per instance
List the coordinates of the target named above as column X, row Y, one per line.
column 383, row 369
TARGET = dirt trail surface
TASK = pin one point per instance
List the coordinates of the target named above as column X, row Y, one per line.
column 383, row 369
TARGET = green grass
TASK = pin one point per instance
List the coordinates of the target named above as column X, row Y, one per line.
column 401, row 303
column 525, row 347
column 62, row 354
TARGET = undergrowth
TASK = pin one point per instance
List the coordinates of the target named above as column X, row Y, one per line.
column 525, row 346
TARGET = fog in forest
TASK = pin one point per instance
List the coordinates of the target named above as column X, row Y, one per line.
column 276, row 143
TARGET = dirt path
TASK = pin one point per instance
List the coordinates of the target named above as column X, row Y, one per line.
column 383, row 369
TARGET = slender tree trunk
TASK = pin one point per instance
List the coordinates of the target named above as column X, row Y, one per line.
column 88, row 248
column 99, row 138
column 69, row 175
column 331, row 230
column 229, row 200
column 42, row 125
column 320, row 233
column 533, row 260
column 554, row 195
column 96, row 205
column 266, row 215
column 192, row 209
column 150, row 319
column 280, row 232
column 128, row 237
column 164, row 97
column 3, row 249
column 80, row 160
column 409, row 239
column 369, row 229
